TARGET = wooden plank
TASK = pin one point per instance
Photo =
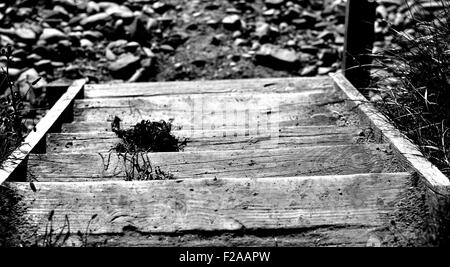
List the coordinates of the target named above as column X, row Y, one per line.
column 201, row 109
column 214, row 120
column 266, row 122
column 359, row 38
column 274, row 85
column 405, row 149
column 208, row 102
column 42, row 128
column 234, row 204
column 316, row 160
column 215, row 139
column 329, row 236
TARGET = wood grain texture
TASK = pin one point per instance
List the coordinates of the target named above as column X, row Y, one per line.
column 246, row 139
column 405, row 148
column 173, row 206
column 44, row 125
column 200, row 110
column 264, row 122
column 318, row 160
column 358, row 236
column 274, row 85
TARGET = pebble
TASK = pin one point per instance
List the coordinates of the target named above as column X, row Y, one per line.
column 51, row 34
column 232, row 22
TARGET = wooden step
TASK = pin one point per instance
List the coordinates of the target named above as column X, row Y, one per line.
column 209, row 205
column 266, row 122
column 274, row 85
column 287, row 137
column 201, row 110
column 318, row 160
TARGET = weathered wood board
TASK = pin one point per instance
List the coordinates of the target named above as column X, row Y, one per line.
column 288, row 137
column 239, row 204
column 317, row 160
column 200, row 110
column 272, row 85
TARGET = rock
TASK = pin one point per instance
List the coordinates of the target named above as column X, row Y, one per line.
column 262, row 30
column 166, row 48
column 232, row 22
column 160, row 7
column 25, row 34
column 309, row 49
column 310, row 70
column 122, row 12
column 85, row 43
column 277, row 57
column 273, row 3
column 52, row 35
column 95, row 19
column 5, row 40
column 110, row 55
column 92, row 7
column 34, row 57
column 146, row 62
column 44, row 65
column 25, row 79
column 92, row 35
column 124, row 66
column 240, row 42
column 212, row 23
column 132, row 46
column 151, row 24
column 324, row 70
column 218, row 39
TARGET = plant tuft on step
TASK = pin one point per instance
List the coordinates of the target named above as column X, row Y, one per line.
column 146, row 136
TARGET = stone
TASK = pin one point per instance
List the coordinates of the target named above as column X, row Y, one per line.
column 92, row 7
column 310, row 70
column 124, row 66
column 273, row 3
column 262, row 30
column 92, row 35
column 122, row 12
column 95, row 19
column 110, row 55
column 232, row 22
column 25, row 34
column 166, row 48
column 276, row 57
column 52, row 35
column 132, row 46
column 25, row 79
column 85, row 43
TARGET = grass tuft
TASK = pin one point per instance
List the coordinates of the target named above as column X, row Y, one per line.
column 414, row 87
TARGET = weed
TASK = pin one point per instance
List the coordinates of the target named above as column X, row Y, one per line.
column 12, row 129
column 144, row 137
column 414, row 92
column 147, row 136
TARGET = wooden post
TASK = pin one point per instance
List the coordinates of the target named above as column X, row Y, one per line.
column 359, row 38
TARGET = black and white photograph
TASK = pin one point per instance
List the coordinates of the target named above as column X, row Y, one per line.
column 240, row 125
